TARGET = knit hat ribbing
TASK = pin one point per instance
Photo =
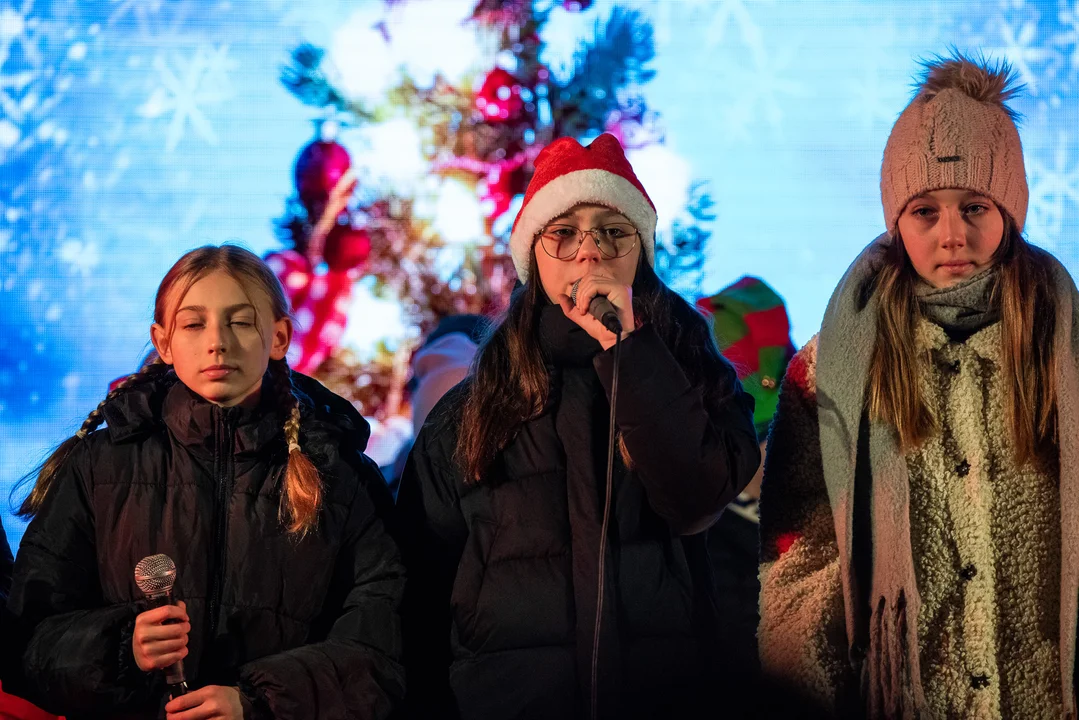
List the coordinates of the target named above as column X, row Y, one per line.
column 957, row 132
column 569, row 174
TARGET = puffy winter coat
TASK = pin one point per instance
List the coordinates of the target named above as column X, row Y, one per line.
column 501, row 604
column 6, row 563
column 304, row 628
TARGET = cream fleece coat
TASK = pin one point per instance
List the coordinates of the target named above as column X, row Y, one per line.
column 985, row 537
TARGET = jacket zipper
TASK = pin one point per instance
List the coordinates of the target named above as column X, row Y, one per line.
column 223, row 484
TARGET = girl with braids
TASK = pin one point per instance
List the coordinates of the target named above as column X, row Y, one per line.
column 919, row 515
column 253, row 479
column 503, row 497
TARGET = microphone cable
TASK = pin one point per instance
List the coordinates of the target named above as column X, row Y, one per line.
column 603, row 529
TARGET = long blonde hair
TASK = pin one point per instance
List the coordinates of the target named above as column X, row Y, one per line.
column 301, row 496
column 1028, row 308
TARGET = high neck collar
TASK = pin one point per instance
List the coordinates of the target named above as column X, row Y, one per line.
column 564, row 342
column 965, row 308
column 194, row 420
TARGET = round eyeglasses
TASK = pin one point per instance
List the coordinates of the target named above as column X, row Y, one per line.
column 614, row 240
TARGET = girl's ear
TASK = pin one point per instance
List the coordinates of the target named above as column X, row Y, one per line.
column 160, row 339
column 281, row 338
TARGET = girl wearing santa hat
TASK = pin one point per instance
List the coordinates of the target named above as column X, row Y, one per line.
column 540, row 585
column 920, row 507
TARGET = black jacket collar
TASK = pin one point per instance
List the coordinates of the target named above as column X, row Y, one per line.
column 143, row 408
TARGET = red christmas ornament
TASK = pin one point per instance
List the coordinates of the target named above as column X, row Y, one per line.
column 319, row 300
column 318, row 168
column 576, row 5
column 294, row 271
column 502, row 185
column 499, row 98
column 321, row 319
column 498, row 196
column 346, row 248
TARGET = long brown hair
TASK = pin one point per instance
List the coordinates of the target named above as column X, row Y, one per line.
column 1028, row 308
column 509, row 383
column 302, row 493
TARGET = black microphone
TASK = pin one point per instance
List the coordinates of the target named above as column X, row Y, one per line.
column 155, row 575
column 601, row 309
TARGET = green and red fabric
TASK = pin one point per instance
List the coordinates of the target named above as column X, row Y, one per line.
column 752, row 330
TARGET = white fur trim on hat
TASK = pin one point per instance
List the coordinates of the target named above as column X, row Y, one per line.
column 582, row 186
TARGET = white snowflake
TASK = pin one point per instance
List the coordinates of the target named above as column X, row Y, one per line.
column 759, row 92
column 19, row 29
column 728, row 11
column 1068, row 40
column 187, row 88
column 1054, row 188
column 142, row 10
column 873, row 97
column 81, row 257
column 1021, row 48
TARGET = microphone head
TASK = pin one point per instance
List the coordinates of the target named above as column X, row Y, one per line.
column 155, row 574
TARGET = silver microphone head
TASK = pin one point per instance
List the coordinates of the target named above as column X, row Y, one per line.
column 155, row 574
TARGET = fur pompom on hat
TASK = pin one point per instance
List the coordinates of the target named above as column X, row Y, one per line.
column 957, row 132
column 569, row 174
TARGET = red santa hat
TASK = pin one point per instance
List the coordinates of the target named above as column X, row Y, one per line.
column 569, row 174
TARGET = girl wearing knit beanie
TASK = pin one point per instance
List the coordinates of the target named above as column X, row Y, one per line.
column 920, row 505
column 524, row 599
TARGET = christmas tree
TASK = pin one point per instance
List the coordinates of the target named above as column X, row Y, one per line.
column 459, row 124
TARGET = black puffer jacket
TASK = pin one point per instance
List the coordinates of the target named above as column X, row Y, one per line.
column 500, row 606
column 6, row 561
column 304, row 628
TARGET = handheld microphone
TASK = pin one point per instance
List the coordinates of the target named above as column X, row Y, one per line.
column 155, row 575
column 601, row 309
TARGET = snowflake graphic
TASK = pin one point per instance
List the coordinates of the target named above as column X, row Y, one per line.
column 1054, row 188
column 1021, row 48
column 873, row 96
column 735, row 11
column 141, row 10
column 759, row 92
column 20, row 59
column 80, row 257
column 187, row 89
column 159, row 24
column 1068, row 40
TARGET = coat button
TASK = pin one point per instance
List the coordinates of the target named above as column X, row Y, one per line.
column 968, row 572
column 962, row 469
column 979, row 682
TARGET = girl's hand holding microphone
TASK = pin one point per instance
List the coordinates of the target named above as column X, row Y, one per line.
column 160, row 637
column 576, row 306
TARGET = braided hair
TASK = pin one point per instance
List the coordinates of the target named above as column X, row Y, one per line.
column 301, row 496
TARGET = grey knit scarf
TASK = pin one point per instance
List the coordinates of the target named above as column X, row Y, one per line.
column 890, row 673
column 962, row 309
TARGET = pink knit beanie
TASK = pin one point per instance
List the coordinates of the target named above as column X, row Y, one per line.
column 957, row 132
